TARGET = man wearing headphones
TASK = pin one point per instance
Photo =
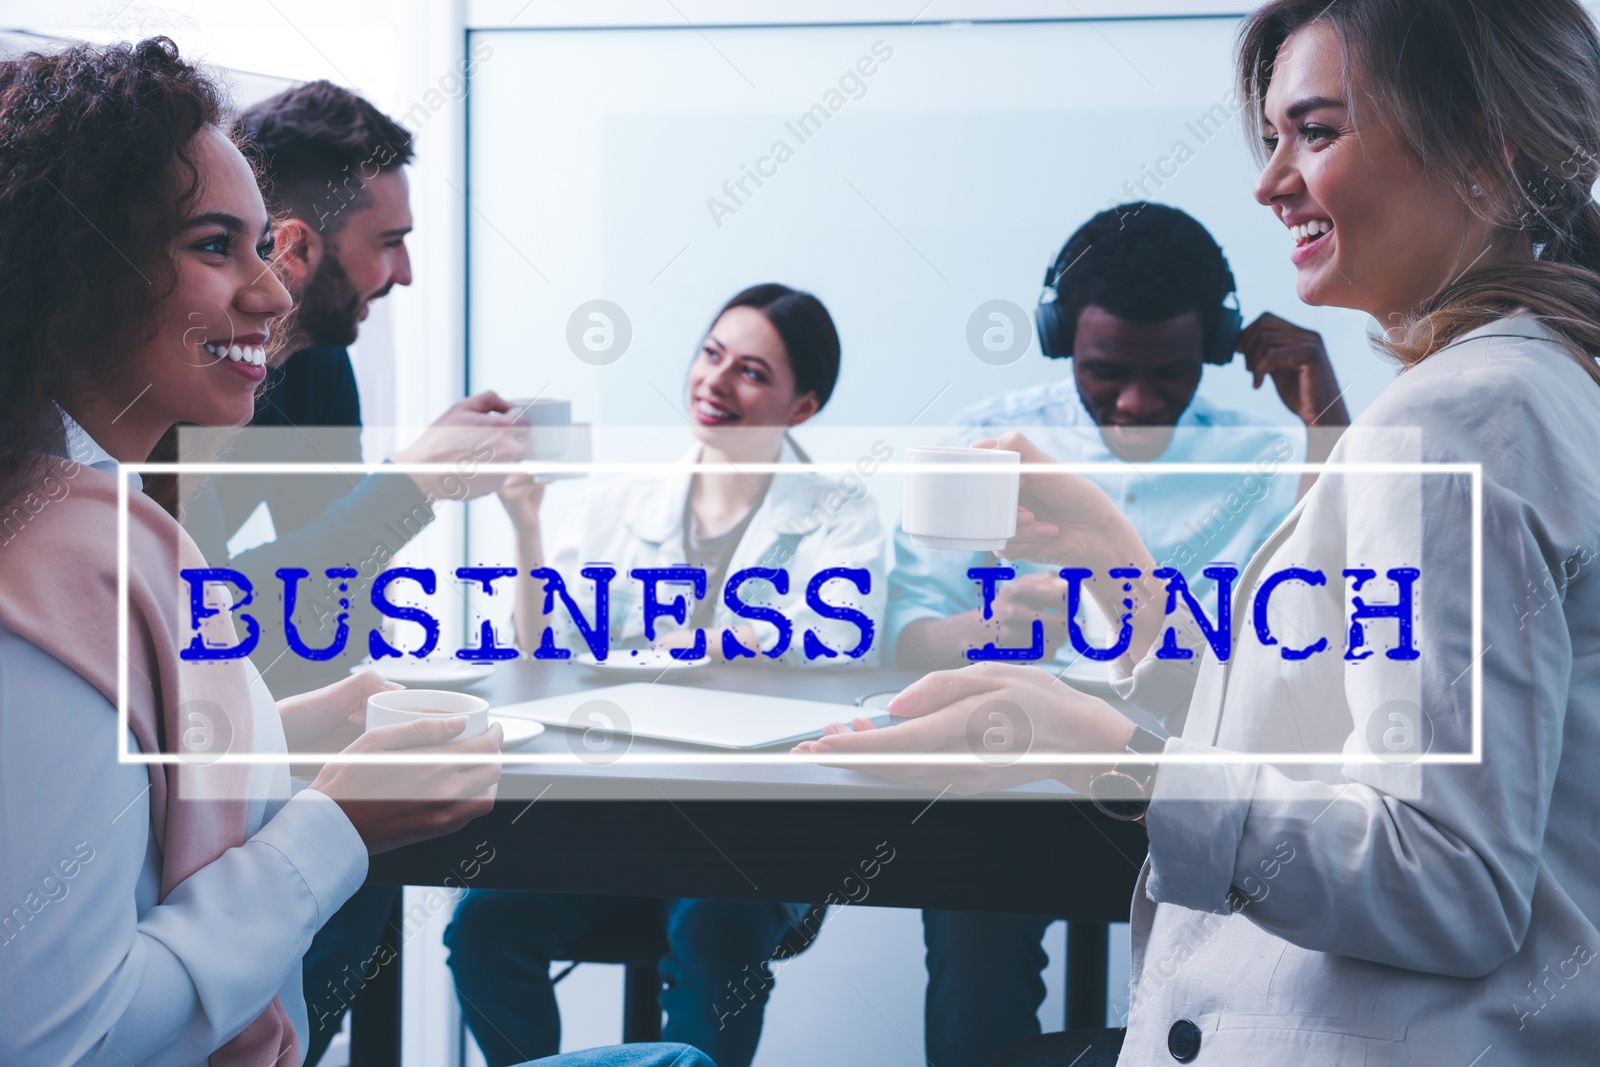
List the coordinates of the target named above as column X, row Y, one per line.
column 1141, row 299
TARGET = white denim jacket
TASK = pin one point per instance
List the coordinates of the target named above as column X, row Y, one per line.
column 807, row 522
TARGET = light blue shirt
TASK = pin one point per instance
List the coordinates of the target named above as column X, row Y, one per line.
column 81, row 448
column 97, row 968
column 1188, row 521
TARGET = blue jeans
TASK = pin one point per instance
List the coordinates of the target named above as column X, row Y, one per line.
column 341, row 961
column 629, row 1056
column 715, row 984
column 985, row 984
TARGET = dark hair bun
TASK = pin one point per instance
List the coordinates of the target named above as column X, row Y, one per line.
column 808, row 333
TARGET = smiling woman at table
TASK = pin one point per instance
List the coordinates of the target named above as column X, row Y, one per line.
column 1433, row 163
column 768, row 363
column 156, row 914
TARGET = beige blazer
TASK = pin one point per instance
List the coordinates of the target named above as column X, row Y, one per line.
column 1346, row 902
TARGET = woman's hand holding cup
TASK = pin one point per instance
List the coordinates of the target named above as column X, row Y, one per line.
column 1065, row 520
column 402, row 802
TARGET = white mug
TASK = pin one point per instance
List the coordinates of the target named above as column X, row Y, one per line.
column 549, row 422
column 974, row 512
column 577, row 447
column 409, row 705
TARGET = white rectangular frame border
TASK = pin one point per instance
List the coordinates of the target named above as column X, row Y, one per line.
column 1475, row 470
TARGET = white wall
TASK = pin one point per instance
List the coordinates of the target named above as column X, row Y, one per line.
column 973, row 153
column 949, row 178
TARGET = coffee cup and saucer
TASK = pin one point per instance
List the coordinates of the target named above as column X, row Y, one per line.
column 553, row 436
column 399, row 706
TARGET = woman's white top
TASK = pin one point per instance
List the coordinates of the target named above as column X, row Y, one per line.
column 1371, row 907
column 807, row 522
column 95, row 971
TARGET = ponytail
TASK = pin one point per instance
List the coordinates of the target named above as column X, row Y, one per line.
column 1577, row 243
column 1564, row 296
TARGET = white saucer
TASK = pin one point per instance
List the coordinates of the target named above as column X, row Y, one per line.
column 518, row 731
column 428, row 673
column 960, row 544
column 640, row 659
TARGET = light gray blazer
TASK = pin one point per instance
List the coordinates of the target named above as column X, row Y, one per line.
column 1370, row 908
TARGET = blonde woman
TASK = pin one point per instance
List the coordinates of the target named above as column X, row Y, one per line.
column 1432, row 163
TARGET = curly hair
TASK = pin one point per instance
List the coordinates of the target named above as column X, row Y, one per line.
column 1142, row 262
column 94, row 178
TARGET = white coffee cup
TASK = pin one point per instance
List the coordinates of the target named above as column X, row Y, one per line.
column 577, row 447
column 974, row 512
column 549, row 422
column 409, row 705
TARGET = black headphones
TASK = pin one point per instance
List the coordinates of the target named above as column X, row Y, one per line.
column 1057, row 333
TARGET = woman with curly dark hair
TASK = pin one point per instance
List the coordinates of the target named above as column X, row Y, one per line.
column 156, row 914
